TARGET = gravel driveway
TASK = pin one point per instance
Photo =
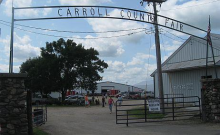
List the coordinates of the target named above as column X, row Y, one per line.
column 97, row 120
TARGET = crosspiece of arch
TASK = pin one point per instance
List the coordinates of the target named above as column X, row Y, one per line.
column 74, row 12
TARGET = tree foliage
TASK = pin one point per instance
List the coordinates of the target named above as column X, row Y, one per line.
column 63, row 65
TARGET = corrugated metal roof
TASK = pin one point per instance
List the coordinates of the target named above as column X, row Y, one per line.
column 169, row 67
column 198, row 63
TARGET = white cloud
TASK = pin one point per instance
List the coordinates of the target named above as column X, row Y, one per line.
column 22, row 48
column 105, row 47
column 83, row 2
column 150, row 68
column 139, row 59
column 24, row 12
column 121, row 72
column 194, row 12
column 169, row 48
column 117, row 24
column 46, row 11
column 20, row 3
column 49, row 1
column 135, row 61
column 112, row 47
column 126, row 74
column 4, row 68
column 166, row 56
column 116, row 66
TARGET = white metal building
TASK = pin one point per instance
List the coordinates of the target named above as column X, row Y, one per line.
column 102, row 87
column 183, row 70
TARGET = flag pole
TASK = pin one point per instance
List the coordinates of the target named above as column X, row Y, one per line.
column 209, row 42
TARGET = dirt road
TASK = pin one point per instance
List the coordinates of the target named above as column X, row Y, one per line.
column 96, row 120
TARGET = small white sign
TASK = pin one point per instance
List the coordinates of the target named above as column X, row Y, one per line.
column 154, row 105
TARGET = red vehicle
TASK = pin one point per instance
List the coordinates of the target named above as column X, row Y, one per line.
column 113, row 92
column 135, row 95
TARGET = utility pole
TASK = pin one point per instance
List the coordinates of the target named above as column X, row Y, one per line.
column 158, row 54
column 11, row 42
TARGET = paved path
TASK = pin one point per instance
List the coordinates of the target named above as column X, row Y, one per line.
column 96, row 120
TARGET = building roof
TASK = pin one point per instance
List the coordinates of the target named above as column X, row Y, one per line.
column 120, row 84
column 191, row 64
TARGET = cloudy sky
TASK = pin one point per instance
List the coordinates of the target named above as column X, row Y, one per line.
column 129, row 49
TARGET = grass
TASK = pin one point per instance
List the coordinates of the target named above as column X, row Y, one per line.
column 38, row 131
column 140, row 113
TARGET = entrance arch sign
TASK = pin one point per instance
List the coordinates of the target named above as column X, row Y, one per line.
column 108, row 12
column 70, row 12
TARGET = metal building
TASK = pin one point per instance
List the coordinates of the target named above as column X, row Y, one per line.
column 183, row 70
column 103, row 87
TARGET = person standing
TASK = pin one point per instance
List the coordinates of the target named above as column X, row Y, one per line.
column 106, row 95
column 86, row 101
column 97, row 101
column 119, row 100
column 110, row 104
column 103, row 101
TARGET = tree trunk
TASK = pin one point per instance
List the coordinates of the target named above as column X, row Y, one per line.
column 93, row 96
column 63, row 95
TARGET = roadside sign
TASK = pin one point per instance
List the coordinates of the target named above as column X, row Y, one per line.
column 154, row 104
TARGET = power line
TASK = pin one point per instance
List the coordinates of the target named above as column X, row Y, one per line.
column 76, row 37
column 169, row 37
column 191, row 38
column 216, row 38
column 192, row 5
column 173, row 34
column 75, row 31
column 148, row 61
column 163, row 46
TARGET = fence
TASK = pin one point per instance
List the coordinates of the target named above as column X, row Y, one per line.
column 139, row 111
column 36, row 115
column 169, row 97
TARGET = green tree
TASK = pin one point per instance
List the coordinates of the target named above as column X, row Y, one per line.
column 64, row 65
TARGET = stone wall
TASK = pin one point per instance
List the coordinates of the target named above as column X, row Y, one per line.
column 13, row 112
column 211, row 100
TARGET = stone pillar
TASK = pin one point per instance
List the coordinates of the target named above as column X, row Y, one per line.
column 13, row 112
column 210, row 96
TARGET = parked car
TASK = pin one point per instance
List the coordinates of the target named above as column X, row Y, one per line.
column 76, row 99
column 45, row 99
column 126, row 96
column 148, row 94
column 50, row 100
column 134, row 95
column 121, row 93
column 38, row 99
